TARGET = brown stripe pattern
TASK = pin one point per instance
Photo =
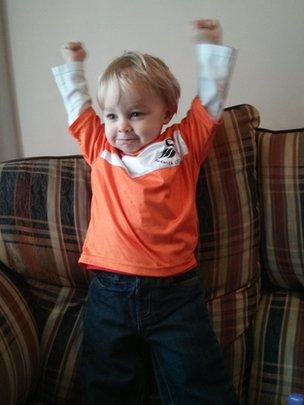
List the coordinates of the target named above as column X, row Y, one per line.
column 281, row 180
column 43, row 223
column 227, row 205
column 278, row 366
column 19, row 345
column 233, row 316
column 42, row 228
column 59, row 313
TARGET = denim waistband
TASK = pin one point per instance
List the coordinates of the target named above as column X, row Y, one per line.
column 130, row 279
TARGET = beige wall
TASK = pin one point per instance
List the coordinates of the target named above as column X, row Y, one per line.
column 269, row 72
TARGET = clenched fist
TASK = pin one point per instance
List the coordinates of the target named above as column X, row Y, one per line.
column 73, row 52
column 208, row 31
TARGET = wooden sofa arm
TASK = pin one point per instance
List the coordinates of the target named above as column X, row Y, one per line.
column 19, row 343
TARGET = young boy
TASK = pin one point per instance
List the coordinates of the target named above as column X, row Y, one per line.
column 143, row 228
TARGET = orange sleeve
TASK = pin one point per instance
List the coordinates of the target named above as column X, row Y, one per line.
column 198, row 129
column 89, row 133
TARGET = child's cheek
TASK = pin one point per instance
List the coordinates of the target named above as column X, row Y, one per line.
column 109, row 135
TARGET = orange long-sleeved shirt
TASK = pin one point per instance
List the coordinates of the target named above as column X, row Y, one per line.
column 143, row 212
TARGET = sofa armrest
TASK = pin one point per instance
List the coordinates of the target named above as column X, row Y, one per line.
column 19, row 343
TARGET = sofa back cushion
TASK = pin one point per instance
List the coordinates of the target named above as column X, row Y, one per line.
column 227, row 205
column 44, row 212
column 281, row 181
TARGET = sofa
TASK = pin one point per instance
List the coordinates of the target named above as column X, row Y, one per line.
column 250, row 201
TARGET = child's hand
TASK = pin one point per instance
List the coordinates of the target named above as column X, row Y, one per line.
column 208, row 31
column 73, row 52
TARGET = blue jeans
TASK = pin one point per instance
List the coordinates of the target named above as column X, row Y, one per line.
column 125, row 314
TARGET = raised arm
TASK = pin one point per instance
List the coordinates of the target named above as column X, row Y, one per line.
column 71, row 81
column 216, row 63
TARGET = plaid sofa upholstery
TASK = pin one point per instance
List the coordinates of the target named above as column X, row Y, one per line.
column 44, row 212
column 278, row 366
column 19, row 343
column 43, row 224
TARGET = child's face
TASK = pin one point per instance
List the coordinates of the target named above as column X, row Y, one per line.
column 135, row 119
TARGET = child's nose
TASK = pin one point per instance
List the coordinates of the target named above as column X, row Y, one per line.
column 124, row 126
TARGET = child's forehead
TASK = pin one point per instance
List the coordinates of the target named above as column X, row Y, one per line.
column 132, row 96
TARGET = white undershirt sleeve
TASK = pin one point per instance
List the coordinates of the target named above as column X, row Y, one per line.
column 72, row 85
column 216, row 63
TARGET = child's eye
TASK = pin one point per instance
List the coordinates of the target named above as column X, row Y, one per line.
column 136, row 114
column 110, row 116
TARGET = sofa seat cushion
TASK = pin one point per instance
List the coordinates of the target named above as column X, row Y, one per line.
column 278, row 365
column 233, row 318
column 281, row 181
column 59, row 314
column 19, row 342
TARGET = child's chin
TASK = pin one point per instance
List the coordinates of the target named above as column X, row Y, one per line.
column 130, row 149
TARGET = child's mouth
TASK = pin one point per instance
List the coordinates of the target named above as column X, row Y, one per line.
column 126, row 140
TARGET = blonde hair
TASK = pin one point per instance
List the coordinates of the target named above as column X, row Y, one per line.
column 135, row 68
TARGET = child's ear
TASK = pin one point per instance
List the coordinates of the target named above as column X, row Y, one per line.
column 167, row 116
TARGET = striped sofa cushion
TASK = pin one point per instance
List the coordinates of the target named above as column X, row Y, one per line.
column 238, row 356
column 19, row 345
column 43, row 223
column 281, row 180
column 278, row 367
column 227, row 205
column 59, row 314
column 232, row 317
column 228, row 252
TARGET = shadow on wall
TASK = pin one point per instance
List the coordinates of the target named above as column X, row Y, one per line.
column 10, row 144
